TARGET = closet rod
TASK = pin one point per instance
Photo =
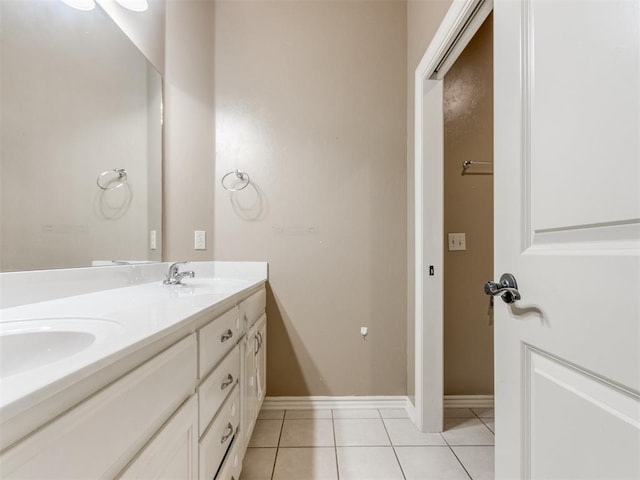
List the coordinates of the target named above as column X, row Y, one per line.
column 470, row 163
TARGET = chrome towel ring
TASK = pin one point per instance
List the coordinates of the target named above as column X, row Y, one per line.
column 113, row 182
column 242, row 176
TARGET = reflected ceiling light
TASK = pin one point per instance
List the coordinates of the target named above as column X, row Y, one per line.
column 81, row 4
column 134, row 5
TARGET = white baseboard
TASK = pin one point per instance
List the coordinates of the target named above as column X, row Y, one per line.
column 411, row 410
column 312, row 403
column 396, row 401
column 468, row 401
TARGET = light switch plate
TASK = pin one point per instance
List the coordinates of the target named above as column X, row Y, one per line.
column 200, row 240
column 153, row 240
column 457, row 241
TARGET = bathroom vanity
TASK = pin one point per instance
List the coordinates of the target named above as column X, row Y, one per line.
column 138, row 381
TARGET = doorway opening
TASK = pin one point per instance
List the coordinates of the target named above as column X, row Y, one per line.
column 434, row 263
column 468, row 221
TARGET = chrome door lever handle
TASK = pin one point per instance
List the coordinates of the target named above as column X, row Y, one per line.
column 507, row 288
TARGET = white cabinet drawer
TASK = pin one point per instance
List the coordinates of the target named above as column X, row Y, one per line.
column 217, row 439
column 98, row 437
column 172, row 453
column 232, row 466
column 253, row 307
column 217, row 338
column 217, row 386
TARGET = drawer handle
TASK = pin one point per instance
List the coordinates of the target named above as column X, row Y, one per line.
column 227, row 434
column 226, row 335
column 227, row 381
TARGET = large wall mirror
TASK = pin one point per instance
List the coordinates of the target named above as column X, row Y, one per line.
column 80, row 140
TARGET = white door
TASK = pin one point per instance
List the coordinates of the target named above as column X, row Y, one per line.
column 567, row 223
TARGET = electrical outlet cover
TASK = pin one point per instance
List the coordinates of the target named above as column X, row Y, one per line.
column 200, row 240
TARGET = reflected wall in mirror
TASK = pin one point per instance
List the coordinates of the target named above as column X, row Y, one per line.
column 77, row 98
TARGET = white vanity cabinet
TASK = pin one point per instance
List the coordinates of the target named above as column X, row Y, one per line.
column 252, row 353
column 182, row 414
column 219, row 392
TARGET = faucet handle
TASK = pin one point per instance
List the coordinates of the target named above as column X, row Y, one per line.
column 172, row 275
column 173, row 268
column 175, row 264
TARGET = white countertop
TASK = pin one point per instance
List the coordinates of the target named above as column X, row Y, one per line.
column 129, row 323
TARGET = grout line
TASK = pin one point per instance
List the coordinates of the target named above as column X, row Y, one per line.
column 335, row 444
column 393, row 447
column 484, row 423
column 275, row 459
column 454, row 454
column 460, row 462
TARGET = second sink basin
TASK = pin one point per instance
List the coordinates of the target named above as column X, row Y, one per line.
column 23, row 351
column 28, row 344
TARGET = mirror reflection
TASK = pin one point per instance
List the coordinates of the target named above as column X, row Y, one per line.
column 80, row 140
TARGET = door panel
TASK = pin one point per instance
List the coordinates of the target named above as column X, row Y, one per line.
column 584, row 116
column 566, row 403
column 567, row 210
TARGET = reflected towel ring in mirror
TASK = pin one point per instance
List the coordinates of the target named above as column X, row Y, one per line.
column 109, row 183
column 242, row 176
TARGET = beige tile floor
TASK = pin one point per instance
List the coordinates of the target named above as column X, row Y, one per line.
column 369, row 444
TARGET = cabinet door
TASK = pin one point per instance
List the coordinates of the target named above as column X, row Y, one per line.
column 172, row 453
column 248, row 386
column 261, row 362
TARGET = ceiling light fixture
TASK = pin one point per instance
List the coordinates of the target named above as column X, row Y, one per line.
column 134, row 5
column 85, row 5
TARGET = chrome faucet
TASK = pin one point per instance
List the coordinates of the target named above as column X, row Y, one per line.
column 174, row 276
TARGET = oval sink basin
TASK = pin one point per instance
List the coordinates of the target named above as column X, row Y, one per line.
column 24, row 351
column 30, row 343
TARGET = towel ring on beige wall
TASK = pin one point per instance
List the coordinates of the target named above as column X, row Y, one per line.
column 242, row 176
column 111, row 183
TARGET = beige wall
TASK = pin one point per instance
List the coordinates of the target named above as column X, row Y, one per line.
column 188, row 128
column 310, row 101
column 178, row 38
column 468, row 208
column 423, row 19
column 331, row 215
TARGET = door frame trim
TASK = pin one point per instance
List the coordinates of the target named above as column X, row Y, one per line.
column 462, row 21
